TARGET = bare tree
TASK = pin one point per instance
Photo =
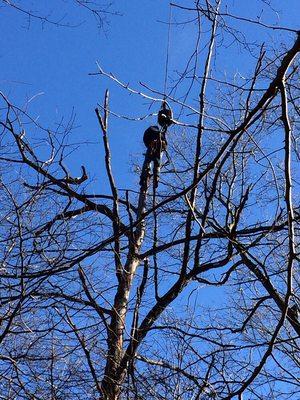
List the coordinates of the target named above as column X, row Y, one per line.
column 185, row 291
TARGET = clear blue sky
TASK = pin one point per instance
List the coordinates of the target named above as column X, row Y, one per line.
column 55, row 62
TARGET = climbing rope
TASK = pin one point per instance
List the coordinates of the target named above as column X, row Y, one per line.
column 155, row 178
column 155, row 227
column 168, row 51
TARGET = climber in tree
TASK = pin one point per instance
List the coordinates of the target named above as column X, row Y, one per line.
column 155, row 141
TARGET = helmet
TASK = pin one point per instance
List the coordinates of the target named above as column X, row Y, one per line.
column 165, row 115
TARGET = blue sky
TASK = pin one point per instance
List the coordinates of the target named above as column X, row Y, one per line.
column 54, row 63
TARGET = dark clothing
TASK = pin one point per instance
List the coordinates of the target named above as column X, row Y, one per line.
column 155, row 140
column 154, row 134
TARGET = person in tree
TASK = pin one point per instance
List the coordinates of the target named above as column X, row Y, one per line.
column 155, row 141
